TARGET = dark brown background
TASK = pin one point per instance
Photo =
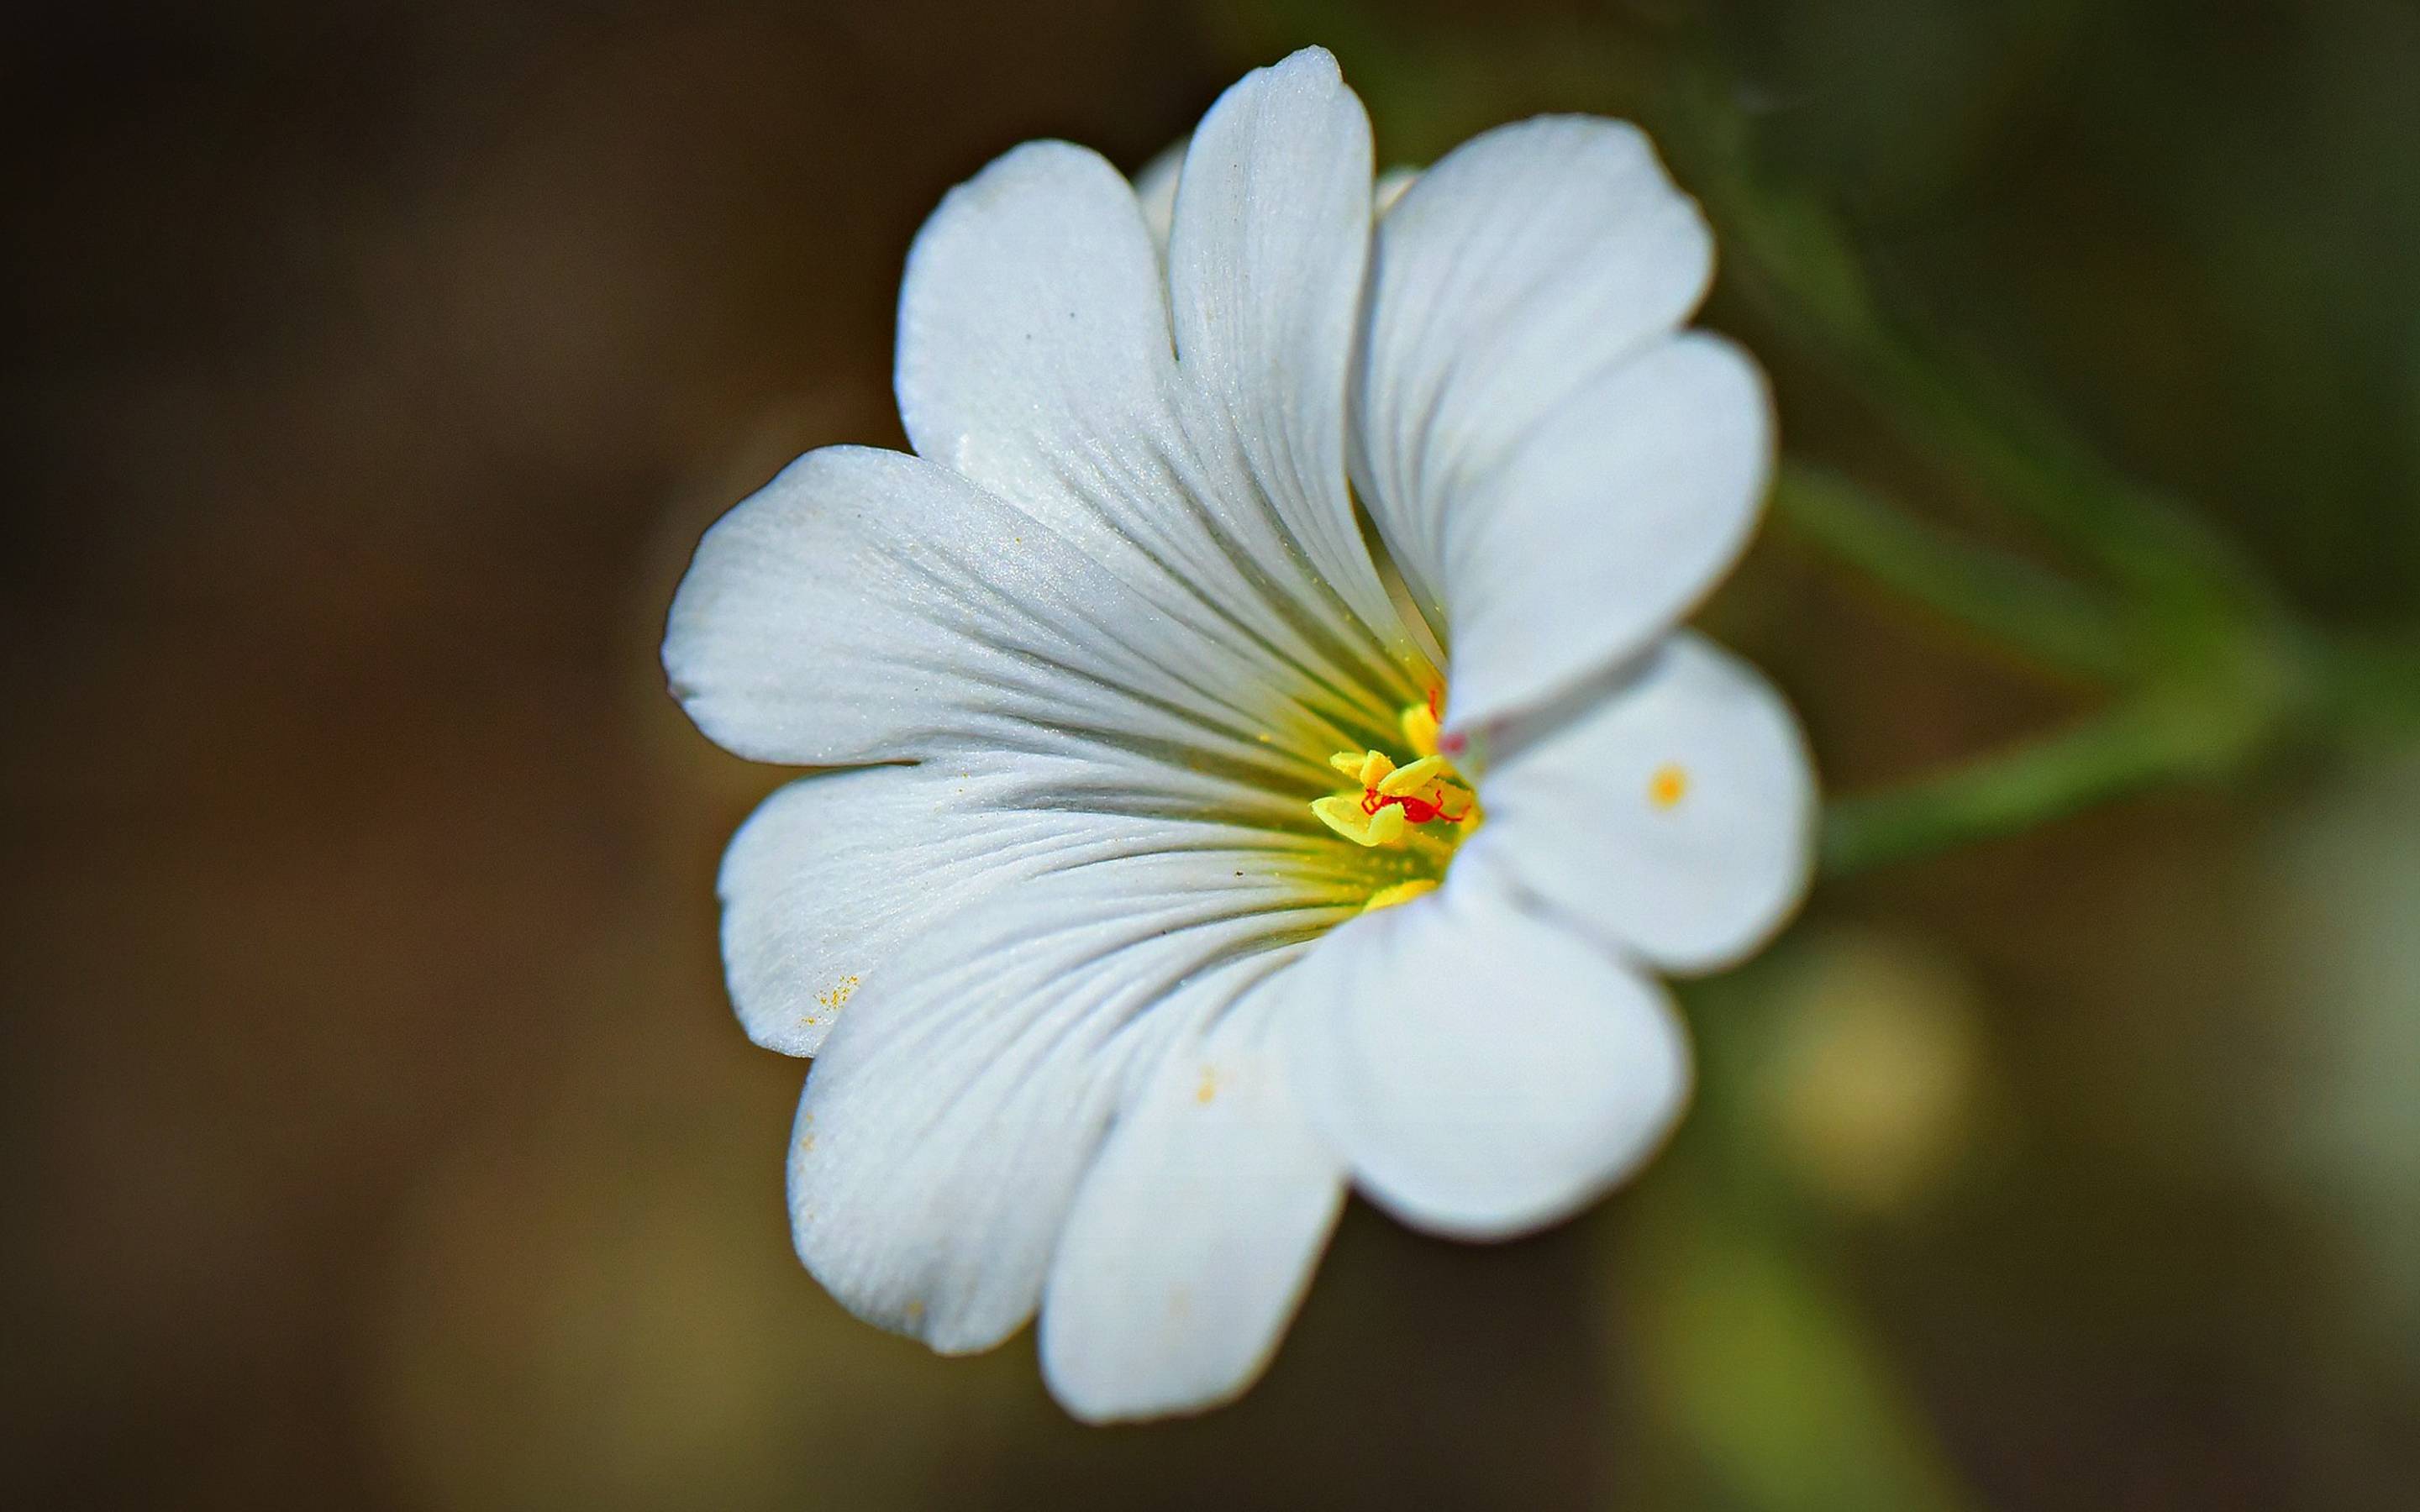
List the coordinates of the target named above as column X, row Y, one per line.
column 376, row 1134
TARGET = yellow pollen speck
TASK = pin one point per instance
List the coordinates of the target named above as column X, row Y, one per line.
column 1209, row 1088
column 1668, row 786
column 806, row 1144
column 915, row 1309
column 838, row 995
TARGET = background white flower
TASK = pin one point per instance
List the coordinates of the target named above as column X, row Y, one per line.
column 1103, row 1018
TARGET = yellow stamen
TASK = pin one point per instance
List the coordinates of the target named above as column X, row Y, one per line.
column 1343, row 813
column 1421, row 801
column 1367, row 767
column 1411, row 778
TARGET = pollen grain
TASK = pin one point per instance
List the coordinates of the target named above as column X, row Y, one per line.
column 1668, row 786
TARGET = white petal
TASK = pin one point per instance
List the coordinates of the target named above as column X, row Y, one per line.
column 1154, row 186
column 1603, row 525
column 951, row 1114
column 1528, row 260
column 1675, row 818
column 1031, row 326
column 868, row 606
column 838, row 874
column 1035, row 359
column 1484, row 1068
column 1194, row 1237
column 1266, row 262
column 1390, row 186
column 812, row 897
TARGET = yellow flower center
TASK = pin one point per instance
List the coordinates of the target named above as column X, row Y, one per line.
column 1421, row 806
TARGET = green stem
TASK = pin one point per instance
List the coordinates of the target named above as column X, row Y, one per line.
column 2124, row 750
column 2009, row 602
column 2021, row 456
column 2370, row 689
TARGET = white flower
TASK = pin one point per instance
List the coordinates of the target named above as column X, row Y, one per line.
column 1088, row 937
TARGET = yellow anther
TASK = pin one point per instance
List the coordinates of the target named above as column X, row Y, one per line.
column 1367, row 767
column 1386, row 827
column 1400, row 892
column 1421, row 730
column 1411, row 778
column 1342, row 812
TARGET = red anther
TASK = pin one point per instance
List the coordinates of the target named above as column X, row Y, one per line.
column 1437, row 704
column 1452, row 743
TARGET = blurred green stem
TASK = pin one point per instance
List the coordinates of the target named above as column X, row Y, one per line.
column 2200, row 703
column 2009, row 602
column 2371, row 687
column 2189, row 707
column 2133, row 746
column 2026, row 461
column 2205, row 702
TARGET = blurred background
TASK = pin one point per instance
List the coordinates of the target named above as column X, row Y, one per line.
column 374, row 1129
